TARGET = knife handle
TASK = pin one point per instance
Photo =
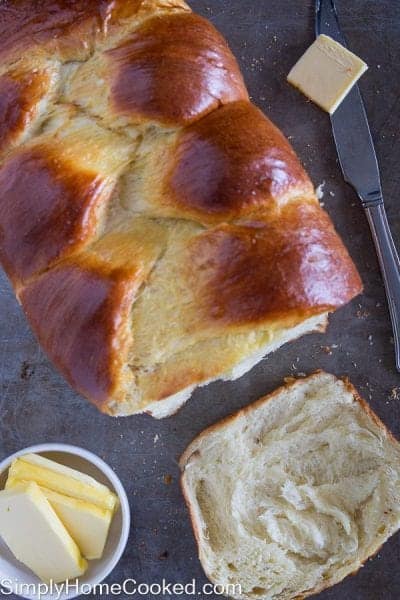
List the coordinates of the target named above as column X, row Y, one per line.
column 390, row 266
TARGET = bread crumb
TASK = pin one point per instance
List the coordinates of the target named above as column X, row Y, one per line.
column 167, row 479
column 327, row 350
column 26, row 371
column 320, row 190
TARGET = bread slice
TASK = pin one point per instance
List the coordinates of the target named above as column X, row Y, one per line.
column 292, row 494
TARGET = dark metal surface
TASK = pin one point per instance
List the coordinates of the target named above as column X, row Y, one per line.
column 349, row 122
column 389, row 261
column 359, row 164
column 37, row 405
column 355, row 148
column 327, row 21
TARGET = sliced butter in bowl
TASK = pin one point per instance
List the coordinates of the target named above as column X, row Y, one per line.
column 59, row 478
column 36, row 536
column 84, row 506
column 87, row 523
column 326, row 73
column 87, row 500
column 58, row 522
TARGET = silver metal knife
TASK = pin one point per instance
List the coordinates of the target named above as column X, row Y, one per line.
column 357, row 157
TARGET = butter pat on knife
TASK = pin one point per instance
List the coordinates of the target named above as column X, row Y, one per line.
column 326, row 73
column 36, row 536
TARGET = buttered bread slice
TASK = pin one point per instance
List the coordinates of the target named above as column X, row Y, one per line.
column 293, row 493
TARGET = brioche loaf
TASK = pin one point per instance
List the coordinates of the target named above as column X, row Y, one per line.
column 293, row 493
column 158, row 229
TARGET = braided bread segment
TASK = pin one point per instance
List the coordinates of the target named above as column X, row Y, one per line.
column 157, row 227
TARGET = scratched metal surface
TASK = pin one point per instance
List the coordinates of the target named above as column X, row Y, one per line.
column 38, row 406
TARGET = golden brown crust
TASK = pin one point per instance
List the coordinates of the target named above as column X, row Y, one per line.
column 287, row 268
column 67, row 28
column 164, row 383
column 25, row 24
column 85, row 306
column 174, row 69
column 20, row 94
column 134, row 112
column 232, row 163
column 47, row 211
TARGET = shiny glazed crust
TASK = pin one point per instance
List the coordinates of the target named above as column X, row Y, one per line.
column 158, row 229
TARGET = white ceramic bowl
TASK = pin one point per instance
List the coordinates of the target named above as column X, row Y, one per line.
column 13, row 573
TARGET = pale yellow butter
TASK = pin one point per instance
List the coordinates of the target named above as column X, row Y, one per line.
column 87, row 523
column 327, row 72
column 36, row 536
column 58, row 478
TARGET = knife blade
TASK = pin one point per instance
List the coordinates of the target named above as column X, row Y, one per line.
column 359, row 164
column 354, row 144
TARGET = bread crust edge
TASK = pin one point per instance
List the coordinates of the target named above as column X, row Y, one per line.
column 194, row 447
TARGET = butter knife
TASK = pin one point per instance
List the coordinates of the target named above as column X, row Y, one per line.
column 359, row 164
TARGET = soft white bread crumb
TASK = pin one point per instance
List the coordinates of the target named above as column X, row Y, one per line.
column 294, row 493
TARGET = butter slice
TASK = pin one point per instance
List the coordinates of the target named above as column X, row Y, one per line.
column 327, row 72
column 36, row 536
column 58, row 478
column 87, row 523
